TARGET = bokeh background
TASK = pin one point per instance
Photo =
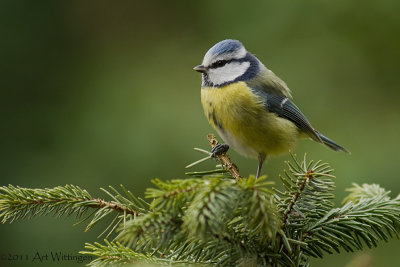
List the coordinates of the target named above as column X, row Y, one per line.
column 98, row 93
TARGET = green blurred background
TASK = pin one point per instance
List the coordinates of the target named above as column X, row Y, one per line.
column 98, row 93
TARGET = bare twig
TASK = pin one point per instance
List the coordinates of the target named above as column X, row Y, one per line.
column 224, row 158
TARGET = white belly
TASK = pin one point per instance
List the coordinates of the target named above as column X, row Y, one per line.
column 237, row 144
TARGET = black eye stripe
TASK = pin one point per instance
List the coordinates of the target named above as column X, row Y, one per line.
column 218, row 64
column 221, row 63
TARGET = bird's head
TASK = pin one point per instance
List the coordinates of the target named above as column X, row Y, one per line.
column 227, row 62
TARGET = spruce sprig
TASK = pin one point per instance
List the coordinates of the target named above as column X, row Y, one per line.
column 219, row 218
column 18, row 203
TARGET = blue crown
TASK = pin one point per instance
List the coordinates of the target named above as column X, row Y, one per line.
column 225, row 46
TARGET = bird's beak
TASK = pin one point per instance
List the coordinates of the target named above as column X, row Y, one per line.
column 200, row 68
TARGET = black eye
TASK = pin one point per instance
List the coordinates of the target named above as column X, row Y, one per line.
column 218, row 64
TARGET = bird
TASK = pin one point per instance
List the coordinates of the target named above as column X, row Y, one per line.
column 250, row 107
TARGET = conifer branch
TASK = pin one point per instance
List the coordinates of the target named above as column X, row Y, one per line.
column 216, row 220
column 100, row 203
column 116, row 254
column 18, row 202
column 371, row 218
column 296, row 196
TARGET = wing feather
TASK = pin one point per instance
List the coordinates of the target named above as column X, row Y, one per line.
column 285, row 108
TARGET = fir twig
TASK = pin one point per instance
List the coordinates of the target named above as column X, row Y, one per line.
column 18, row 202
column 217, row 220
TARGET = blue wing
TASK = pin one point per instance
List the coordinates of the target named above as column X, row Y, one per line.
column 285, row 108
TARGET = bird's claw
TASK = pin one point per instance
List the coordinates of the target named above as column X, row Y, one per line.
column 219, row 150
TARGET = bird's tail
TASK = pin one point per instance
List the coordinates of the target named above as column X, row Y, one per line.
column 328, row 142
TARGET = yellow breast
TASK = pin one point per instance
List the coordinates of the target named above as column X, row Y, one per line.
column 243, row 122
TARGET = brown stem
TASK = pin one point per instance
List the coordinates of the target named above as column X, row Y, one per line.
column 295, row 198
column 102, row 203
column 224, row 158
column 307, row 177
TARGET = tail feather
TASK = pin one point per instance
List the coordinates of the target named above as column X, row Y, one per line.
column 330, row 143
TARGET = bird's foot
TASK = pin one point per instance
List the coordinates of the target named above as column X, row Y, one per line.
column 219, row 150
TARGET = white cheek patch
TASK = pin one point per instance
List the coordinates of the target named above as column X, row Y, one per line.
column 228, row 73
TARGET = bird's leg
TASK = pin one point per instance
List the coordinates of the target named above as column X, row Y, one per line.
column 219, row 150
column 261, row 159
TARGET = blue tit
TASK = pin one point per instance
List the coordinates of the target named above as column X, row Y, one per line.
column 250, row 107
